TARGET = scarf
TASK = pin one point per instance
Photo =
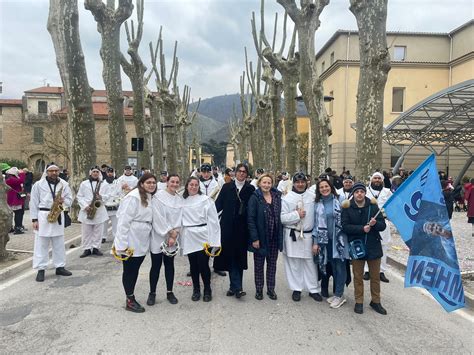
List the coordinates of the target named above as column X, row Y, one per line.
column 321, row 236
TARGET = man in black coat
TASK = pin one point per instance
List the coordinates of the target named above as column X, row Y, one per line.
column 359, row 222
column 232, row 201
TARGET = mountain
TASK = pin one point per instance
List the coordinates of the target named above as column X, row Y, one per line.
column 207, row 128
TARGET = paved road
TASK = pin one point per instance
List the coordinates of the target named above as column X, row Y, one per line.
column 85, row 314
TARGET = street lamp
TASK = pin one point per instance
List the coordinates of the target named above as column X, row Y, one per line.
column 163, row 126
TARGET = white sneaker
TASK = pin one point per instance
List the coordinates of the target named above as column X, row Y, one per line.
column 329, row 299
column 337, row 302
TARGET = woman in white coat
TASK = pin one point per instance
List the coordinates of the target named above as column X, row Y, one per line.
column 167, row 213
column 134, row 232
column 200, row 225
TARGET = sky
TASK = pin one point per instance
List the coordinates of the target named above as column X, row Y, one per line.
column 211, row 37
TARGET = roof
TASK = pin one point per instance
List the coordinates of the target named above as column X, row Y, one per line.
column 46, row 90
column 100, row 109
column 103, row 93
column 441, row 121
column 10, row 102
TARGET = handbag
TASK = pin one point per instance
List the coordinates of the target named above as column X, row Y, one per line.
column 357, row 248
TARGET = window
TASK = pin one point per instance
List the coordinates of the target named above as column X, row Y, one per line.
column 323, row 64
column 332, row 58
column 42, row 107
column 1, row 135
column 397, row 99
column 399, row 53
column 331, row 104
column 38, row 135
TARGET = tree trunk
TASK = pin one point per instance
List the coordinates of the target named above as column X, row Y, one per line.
column 155, row 135
column 63, row 26
column 109, row 21
column 277, row 124
column 6, row 216
column 169, row 114
column 374, row 67
column 291, row 130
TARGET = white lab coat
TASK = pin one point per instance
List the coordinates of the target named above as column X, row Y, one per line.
column 167, row 213
column 131, row 181
column 197, row 210
column 209, row 186
column 84, row 198
column 111, row 195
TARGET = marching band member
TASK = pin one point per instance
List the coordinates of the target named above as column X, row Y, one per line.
column 377, row 190
column 163, row 183
column 89, row 200
column 167, row 214
column 284, row 184
column 258, row 173
column 127, row 181
column 200, row 225
column 345, row 192
column 43, row 197
column 297, row 217
column 208, row 183
column 134, row 229
column 111, row 193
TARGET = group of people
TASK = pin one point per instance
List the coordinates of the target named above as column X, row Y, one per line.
column 317, row 228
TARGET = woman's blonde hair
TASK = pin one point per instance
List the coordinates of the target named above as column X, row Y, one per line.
column 266, row 175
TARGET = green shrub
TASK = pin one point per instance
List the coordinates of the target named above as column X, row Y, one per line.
column 14, row 162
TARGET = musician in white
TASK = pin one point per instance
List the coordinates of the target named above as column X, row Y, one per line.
column 345, row 191
column 134, row 232
column 88, row 197
column 42, row 197
column 200, row 225
column 377, row 190
column 163, row 183
column 284, row 186
column 207, row 182
column 297, row 217
column 127, row 181
column 111, row 193
column 167, row 212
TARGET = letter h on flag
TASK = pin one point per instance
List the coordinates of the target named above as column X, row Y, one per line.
column 419, row 212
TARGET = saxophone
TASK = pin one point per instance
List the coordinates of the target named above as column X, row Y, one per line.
column 95, row 203
column 56, row 208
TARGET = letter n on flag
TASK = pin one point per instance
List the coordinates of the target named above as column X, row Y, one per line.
column 419, row 212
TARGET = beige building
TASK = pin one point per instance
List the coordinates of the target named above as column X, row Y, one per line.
column 422, row 65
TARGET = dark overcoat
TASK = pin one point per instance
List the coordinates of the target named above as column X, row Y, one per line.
column 353, row 221
column 234, row 228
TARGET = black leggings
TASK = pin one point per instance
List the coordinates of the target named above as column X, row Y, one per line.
column 130, row 273
column 156, row 261
column 19, row 217
column 199, row 263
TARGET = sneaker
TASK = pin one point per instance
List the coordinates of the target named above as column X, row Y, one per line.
column 337, row 302
column 196, row 296
column 377, row 307
column 316, row 296
column 329, row 300
column 18, row 231
column 296, row 296
column 171, row 298
column 133, row 306
column 40, row 276
column 63, row 272
column 151, row 299
column 359, row 308
column 366, row 276
column 383, row 278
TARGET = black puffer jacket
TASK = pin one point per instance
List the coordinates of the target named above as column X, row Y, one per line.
column 353, row 221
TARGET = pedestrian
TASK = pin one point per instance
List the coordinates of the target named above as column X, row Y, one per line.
column 127, row 181
column 233, row 202
column 259, row 172
column 200, row 226
column 110, row 192
column 163, row 183
column 27, row 185
column 329, row 240
column 209, row 185
column 265, row 229
column 297, row 218
column 134, row 229
column 360, row 224
column 14, row 179
column 283, row 185
column 49, row 195
column 167, row 213
column 469, row 197
column 345, row 191
column 92, row 214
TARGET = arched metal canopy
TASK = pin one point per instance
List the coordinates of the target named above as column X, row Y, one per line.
column 443, row 120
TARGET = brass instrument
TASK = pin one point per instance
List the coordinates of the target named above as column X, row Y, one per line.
column 95, row 203
column 56, row 208
column 215, row 193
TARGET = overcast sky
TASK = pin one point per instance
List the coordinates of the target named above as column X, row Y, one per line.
column 211, row 35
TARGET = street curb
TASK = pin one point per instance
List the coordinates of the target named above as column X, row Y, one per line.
column 26, row 264
column 469, row 297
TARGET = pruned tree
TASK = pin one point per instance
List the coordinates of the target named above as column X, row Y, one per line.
column 371, row 19
column 154, row 104
column 63, row 26
column 248, row 119
column 168, row 97
column 6, row 216
column 306, row 19
column 109, row 20
column 235, row 137
column 135, row 70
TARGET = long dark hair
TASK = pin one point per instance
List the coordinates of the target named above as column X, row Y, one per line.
column 318, row 194
column 186, row 192
column 142, row 191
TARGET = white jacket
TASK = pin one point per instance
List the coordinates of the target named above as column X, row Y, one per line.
column 167, row 212
column 84, row 198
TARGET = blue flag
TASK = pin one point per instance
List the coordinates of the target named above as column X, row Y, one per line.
column 419, row 212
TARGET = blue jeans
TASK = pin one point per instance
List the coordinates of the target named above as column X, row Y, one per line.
column 339, row 271
column 235, row 276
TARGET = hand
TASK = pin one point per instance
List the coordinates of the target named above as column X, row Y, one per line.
column 256, row 244
column 301, row 212
column 35, row 225
column 315, row 249
column 366, row 228
column 87, row 208
column 173, row 234
column 372, row 222
column 171, row 241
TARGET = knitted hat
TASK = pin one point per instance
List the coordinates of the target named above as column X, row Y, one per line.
column 358, row 186
column 299, row 177
column 380, row 175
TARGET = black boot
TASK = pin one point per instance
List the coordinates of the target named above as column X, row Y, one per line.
column 196, row 295
column 171, row 297
column 151, row 299
column 40, row 276
column 207, row 295
column 133, row 306
column 63, row 272
column 85, row 253
column 383, row 278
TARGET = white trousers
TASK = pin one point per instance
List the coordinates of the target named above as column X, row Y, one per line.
column 41, row 252
column 92, row 235
column 383, row 263
column 113, row 220
column 302, row 275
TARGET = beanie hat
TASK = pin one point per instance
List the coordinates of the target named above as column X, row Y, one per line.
column 358, row 186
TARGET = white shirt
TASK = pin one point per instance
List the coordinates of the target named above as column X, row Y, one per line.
column 111, row 195
column 209, row 186
column 382, row 196
column 131, row 181
column 284, row 186
column 167, row 212
column 84, row 198
column 41, row 197
column 134, row 224
column 301, row 248
column 198, row 210
column 161, row 185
